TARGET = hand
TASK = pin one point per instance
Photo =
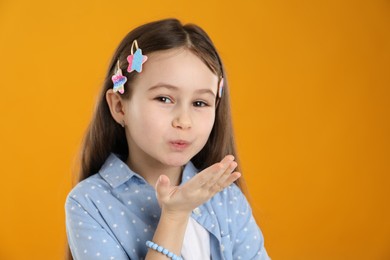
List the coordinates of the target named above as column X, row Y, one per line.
column 203, row 186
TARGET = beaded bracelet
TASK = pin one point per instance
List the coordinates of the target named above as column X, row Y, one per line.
column 162, row 250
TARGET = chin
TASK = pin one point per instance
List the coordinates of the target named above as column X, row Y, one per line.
column 177, row 161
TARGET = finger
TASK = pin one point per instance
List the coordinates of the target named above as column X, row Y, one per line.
column 222, row 167
column 217, row 187
column 227, row 173
column 232, row 178
column 162, row 187
column 219, row 178
column 214, row 171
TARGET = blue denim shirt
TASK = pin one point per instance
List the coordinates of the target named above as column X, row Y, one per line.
column 111, row 215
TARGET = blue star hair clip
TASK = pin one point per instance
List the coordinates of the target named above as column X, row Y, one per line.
column 136, row 59
column 119, row 80
column 220, row 88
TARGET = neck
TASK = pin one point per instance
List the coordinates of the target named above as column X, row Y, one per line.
column 151, row 170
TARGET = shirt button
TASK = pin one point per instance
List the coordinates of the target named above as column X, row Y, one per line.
column 196, row 211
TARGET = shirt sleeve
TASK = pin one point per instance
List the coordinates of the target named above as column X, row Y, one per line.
column 87, row 238
column 248, row 241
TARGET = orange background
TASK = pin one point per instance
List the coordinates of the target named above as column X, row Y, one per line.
column 310, row 93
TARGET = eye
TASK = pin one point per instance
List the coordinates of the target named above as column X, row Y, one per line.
column 166, row 100
column 200, row 104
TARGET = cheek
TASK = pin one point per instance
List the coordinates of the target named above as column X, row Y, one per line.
column 207, row 122
column 149, row 122
column 157, row 119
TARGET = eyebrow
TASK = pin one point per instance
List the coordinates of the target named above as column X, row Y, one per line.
column 174, row 88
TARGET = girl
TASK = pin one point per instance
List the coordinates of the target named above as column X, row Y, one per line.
column 159, row 176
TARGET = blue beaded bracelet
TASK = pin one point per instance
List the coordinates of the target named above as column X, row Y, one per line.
column 162, row 250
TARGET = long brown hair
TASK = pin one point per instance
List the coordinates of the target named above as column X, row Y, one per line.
column 104, row 135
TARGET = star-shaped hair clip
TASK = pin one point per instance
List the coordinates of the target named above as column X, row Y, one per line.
column 119, row 80
column 137, row 59
column 220, row 88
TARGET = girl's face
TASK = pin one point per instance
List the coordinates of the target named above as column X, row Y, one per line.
column 171, row 111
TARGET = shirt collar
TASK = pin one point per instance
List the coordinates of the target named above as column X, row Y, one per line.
column 116, row 172
column 189, row 171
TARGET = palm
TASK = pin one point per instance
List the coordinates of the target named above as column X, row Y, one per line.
column 199, row 189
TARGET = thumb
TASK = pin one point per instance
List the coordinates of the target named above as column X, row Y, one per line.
column 162, row 187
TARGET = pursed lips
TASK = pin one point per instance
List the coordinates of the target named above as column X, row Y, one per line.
column 179, row 144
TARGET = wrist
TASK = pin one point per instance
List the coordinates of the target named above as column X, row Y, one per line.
column 175, row 216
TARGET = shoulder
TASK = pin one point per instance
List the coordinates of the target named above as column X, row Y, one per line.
column 93, row 188
column 112, row 184
column 88, row 191
column 90, row 185
column 113, row 173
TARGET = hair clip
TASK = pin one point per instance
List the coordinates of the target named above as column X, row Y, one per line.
column 220, row 88
column 137, row 59
column 119, row 80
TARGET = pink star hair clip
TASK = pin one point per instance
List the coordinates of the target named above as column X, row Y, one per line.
column 137, row 59
column 119, row 80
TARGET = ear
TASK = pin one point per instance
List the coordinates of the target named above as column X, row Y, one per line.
column 116, row 105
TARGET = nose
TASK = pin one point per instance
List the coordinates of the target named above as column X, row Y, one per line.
column 182, row 120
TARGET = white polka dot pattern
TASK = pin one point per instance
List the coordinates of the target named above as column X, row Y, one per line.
column 111, row 215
